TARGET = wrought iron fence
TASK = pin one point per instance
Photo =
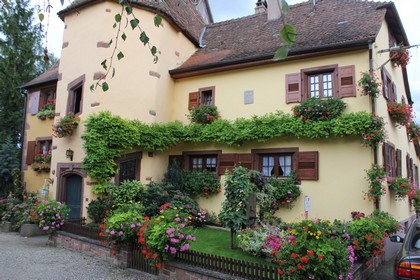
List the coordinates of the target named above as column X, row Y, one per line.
column 78, row 227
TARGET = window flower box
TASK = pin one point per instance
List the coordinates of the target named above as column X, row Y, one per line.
column 400, row 113
column 65, row 126
column 46, row 110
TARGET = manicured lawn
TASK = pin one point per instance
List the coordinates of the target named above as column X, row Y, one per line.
column 217, row 242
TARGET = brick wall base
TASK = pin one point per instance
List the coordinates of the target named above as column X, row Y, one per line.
column 91, row 247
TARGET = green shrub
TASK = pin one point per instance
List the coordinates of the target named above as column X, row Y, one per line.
column 316, row 109
column 286, row 191
column 51, row 215
column 155, row 196
column 252, row 241
column 387, row 224
column 18, row 212
column 173, row 175
column 97, row 209
column 129, row 191
column 200, row 183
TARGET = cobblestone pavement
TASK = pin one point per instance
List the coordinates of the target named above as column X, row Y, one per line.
column 30, row 258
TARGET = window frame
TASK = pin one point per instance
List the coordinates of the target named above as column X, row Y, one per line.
column 189, row 155
column 46, row 94
column 389, row 160
column 207, row 91
column 72, row 88
column 258, row 155
column 136, row 156
column 308, row 72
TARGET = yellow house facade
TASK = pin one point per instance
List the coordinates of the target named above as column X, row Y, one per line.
column 230, row 65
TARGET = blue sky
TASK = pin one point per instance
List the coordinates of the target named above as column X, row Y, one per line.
column 227, row 9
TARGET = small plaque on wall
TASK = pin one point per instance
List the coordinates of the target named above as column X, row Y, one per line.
column 248, row 97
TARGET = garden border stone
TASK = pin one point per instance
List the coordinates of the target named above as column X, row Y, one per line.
column 28, row 230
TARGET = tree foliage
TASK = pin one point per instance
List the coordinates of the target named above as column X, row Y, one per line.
column 20, row 61
column 8, row 162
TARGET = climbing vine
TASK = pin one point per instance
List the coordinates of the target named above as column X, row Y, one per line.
column 108, row 136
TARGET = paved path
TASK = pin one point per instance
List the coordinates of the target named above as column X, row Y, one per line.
column 30, row 258
column 385, row 271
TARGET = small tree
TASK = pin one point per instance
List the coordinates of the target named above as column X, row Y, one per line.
column 8, row 162
column 237, row 188
column 173, row 175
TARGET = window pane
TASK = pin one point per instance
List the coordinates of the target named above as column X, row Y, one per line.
column 327, row 85
column 285, row 165
column 197, row 163
column 267, row 165
column 127, row 170
column 211, row 164
column 314, row 86
column 207, row 97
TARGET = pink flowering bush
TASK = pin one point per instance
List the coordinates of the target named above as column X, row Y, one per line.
column 165, row 235
column 51, row 215
column 121, row 225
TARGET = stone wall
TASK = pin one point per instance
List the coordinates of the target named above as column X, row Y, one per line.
column 91, row 247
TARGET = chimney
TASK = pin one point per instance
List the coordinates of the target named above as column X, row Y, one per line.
column 261, row 7
column 274, row 9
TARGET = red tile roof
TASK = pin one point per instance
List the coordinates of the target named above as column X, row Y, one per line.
column 50, row 76
column 183, row 15
column 330, row 24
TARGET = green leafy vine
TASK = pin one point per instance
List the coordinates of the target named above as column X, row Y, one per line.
column 108, row 136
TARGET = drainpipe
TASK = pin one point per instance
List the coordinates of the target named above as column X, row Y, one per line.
column 22, row 138
column 375, row 148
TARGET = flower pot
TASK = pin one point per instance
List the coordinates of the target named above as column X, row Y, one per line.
column 42, row 117
column 52, row 116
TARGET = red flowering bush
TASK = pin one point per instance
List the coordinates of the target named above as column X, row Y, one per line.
column 402, row 114
column 367, row 238
column 402, row 187
column 399, row 57
column 65, row 126
column 312, row 250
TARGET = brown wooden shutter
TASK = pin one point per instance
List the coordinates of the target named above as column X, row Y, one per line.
column 193, row 100
column 229, row 161
column 293, row 88
column 34, row 102
column 307, row 166
column 30, row 154
column 398, row 155
column 178, row 158
column 394, row 92
column 347, row 85
column 385, row 84
column 407, row 163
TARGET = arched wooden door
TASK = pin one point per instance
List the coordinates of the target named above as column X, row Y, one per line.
column 73, row 195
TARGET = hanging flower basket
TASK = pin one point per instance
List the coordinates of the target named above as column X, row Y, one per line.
column 65, row 126
column 400, row 113
column 399, row 57
column 402, row 187
column 413, row 132
column 369, row 84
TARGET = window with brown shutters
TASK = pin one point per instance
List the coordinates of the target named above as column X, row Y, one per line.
column 389, row 160
column 30, row 152
column 307, row 166
column 204, row 96
column 321, row 82
column 228, row 162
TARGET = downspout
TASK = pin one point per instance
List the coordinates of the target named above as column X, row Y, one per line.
column 374, row 148
column 22, row 138
column 200, row 42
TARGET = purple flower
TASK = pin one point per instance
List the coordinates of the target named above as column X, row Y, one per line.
column 177, row 219
column 174, row 240
column 133, row 226
column 46, row 228
column 171, row 230
column 173, row 250
column 120, row 233
column 112, row 232
column 185, row 247
column 139, row 224
column 180, row 235
column 181, row 225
